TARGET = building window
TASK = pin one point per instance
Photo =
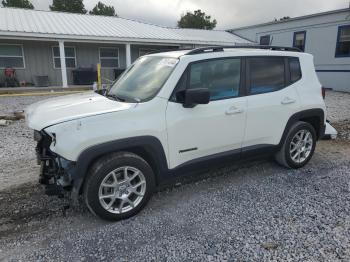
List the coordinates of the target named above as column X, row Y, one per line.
column 109, row 57
column 266, row 74
column 265, row 40
column 299, row 40
column 146, row 51
column 70, row 57
column 343, row 42
column 11, row 56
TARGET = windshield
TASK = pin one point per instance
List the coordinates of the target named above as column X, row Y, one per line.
column 143, row 80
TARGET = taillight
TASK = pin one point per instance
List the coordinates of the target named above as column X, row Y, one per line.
column 323, row 92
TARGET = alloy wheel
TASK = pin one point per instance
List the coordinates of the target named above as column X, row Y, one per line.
column 301, row 146
column 122, row 189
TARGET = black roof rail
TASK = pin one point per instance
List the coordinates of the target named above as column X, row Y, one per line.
column 221, row 48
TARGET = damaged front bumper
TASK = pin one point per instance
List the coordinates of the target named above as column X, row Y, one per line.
column 55, row 171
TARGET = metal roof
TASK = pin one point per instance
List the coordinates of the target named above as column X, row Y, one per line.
column 294, row 19
column 215, row 36
column 15, row 22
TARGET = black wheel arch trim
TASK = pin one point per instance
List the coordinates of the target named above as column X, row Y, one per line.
column 317, row 112
column 147, row 144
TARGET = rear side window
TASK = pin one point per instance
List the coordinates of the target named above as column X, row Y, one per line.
column 295, row 71
column 266, row 74
column 220, row 76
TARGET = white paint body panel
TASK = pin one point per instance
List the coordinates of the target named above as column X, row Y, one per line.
column 66, row 108
column 309, row 87
column 208, row 128
column 84, row 120
column 267, row 116
column 73, row 137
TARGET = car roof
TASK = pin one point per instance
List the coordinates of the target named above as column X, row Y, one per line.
column 235, row 51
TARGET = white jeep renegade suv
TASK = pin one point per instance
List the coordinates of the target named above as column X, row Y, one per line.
column 175, row 112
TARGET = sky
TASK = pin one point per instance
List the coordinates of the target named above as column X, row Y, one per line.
column 228, row 13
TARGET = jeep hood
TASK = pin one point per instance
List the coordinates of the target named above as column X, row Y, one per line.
column 65, row 108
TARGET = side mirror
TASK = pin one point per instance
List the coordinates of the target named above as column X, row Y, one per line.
column 192, row 97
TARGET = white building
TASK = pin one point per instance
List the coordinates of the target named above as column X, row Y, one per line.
column 55, row 45
column 325, row 35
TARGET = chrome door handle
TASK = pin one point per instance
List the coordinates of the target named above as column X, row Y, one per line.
column 234, row 110
column 288, row 100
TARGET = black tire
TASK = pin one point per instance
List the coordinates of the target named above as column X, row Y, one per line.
column 101, row 168
column 283, row 157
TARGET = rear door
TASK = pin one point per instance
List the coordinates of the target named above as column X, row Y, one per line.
column 271, row 100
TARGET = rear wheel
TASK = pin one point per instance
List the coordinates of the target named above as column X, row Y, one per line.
column 119, row 186
column 298, row 146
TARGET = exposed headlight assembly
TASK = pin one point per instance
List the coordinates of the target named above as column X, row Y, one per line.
column 37, row 136
column 53, row 138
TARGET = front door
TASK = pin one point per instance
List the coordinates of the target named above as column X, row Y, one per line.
column 208, row 129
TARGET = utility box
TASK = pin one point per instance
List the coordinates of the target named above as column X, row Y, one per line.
column 84, row 76
column 41, row 81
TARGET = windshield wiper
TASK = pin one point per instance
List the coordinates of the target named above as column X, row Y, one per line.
column 122, row 99
column 136, row 100
column 115, row 97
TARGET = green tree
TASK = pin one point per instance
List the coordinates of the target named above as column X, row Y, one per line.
column 282, row 18
column 197, row 19
column 18, row 3
column 102, row 9
column 70, row 6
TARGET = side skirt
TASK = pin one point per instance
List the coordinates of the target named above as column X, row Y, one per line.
column 219, row 160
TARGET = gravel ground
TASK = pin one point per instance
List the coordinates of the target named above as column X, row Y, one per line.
column 17, row 156
column 338, row 106
column 14, row 103
column 254, row 211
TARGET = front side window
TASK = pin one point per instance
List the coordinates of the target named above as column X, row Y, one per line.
column 11, row 56
column 343, row 43
column 266, row 74
column 265, row 40
column 221, row 77
column 143, row 80
column 109, row 57
column 70, row 57
column 299, row 40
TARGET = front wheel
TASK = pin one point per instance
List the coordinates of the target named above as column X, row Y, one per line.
column 118, row 186
column 298, row 146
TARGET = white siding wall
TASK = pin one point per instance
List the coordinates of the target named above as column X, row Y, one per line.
column 321, row 40
column 39, row 59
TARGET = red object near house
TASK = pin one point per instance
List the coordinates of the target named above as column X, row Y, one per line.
column 10, row 72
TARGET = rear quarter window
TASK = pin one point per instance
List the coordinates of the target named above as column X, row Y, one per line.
column 295, row 70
